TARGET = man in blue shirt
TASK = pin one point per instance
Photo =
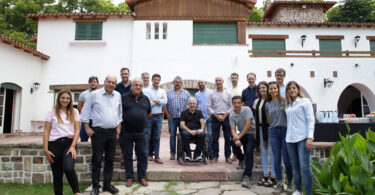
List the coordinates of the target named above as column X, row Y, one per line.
column 280, row 76
column 202, row 96
column 250, row 93
column 125, row 85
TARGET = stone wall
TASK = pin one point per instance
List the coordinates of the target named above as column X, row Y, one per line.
column 27, row 164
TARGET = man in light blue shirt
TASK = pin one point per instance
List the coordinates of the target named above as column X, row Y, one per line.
column 280, row 76
column 201, row 97
column 104, row 107
column 158, row 99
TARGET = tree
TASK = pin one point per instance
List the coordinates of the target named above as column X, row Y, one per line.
column 353, row 11
column 256, row 15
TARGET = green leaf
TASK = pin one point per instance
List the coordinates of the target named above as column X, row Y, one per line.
column 336, row 185
column 335, row 149
column 370, row 135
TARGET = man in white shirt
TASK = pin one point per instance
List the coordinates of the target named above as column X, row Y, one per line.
column 235, row 90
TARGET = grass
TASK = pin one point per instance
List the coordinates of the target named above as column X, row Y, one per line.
column 40, row 189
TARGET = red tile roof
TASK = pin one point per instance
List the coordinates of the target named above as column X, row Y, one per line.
column 326, row 5
column 314, row 24
column 23, row 47
column 77, row 15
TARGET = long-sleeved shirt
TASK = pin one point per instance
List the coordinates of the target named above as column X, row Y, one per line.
column 282, row 90
column 158, row 94
column 177, row 102
column 202, row 97
column 219, row 102
column 249, row 95
column 301, row 122
column 105, row 110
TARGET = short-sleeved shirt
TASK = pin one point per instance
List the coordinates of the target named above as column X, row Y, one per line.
column 192, row 120
column 277, row 114
column 122, row 89
column 135, row 112
column 239, row 120
column 59, row 130
column 83, row 97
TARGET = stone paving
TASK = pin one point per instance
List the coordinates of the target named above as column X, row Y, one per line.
column 194, row 188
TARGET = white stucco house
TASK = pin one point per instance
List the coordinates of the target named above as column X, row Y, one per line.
column 195, row 39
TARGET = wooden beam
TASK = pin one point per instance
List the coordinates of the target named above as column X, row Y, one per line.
column 251, row 36
column 330, row 37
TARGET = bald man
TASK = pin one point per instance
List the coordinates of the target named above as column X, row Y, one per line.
column 105, row 109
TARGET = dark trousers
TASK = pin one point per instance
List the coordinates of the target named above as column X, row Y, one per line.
column 103, row 139
column 216, row 134
column 186, row 137
column 63, row 163
column 248, row 143
column 127, row 142
column 82, row 134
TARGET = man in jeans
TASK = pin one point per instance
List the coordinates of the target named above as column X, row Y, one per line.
column 177, row 102
column 104, row 107
column 158, row 99
column 242, row 118
column 136, row 108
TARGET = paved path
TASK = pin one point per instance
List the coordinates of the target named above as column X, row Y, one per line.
column 194, row 188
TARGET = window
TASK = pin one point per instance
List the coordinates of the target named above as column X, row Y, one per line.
column 89, row 30
column 372, row 46
column 214, row 33
column 156, row 30
column 268, row 44
column 148, row 30
column 164, row 30
column 330, row 45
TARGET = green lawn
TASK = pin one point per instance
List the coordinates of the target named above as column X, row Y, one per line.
column 39, row 189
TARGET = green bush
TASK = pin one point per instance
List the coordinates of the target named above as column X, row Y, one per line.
column 349, row 168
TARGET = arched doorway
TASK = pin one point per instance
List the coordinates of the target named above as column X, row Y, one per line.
column 8, row 106
column 356, row 99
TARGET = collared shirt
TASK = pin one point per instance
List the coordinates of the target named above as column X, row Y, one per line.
column 122, row 89
column 235, row 91
column 104, row 110
column 192, row 120
column 301, row 121
column 282, row 90
column 277, row 113
column 59, row 130
column 202, row 97
column 158, row 94
column 177, row 102
column 239, row 120
column 219, row 102
column 249, row 95
column 135, row 112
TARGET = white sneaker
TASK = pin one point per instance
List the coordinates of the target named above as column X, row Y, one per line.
column 297, row 193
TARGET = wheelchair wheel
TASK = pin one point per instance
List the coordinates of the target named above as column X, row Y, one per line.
column 180, row 153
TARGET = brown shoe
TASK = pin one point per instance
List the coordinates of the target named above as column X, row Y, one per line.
column 228, row 160
column 129, row 183
column 234, row 157
column 173, row 156
column 214, row 160
column 158, row 160
column 143, row 182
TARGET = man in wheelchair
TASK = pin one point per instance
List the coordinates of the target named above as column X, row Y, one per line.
column 192, row 127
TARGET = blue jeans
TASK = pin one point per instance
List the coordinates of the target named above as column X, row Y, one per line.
column 278, row 144
column 300, row 160
column 127, row 141
column 209, row 136
column 216, row 134
column 153, row 126
column 172, row 125
column 82, row 134
column 248, row 143
column 265, row 150
column 186, row 137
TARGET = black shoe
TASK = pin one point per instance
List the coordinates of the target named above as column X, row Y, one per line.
column 187, row 157
column 197, row 158
column 95, row 191
column 111, row 189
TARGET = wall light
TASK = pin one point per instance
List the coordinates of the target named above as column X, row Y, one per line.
column 35, row 87
column 327, row 83
column 356, row 40
column 303, row 38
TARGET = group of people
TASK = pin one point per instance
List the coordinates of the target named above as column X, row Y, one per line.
column 270, row 116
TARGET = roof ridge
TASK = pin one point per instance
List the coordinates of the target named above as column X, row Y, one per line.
column 23, row 47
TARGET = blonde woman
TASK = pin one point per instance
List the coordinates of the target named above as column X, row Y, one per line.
column 61, row 133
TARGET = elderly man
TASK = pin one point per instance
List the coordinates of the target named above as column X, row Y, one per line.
column 219, row 105
column 136, row 108
column 177, row 101
column 202, row 96
column 104, row 107
column 158, row 99
column 192, row 124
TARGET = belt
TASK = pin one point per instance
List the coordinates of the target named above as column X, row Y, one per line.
column 157, row 114
column 104, row 129
column 220, row 114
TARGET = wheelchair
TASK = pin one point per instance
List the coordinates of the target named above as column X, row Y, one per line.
column 181, row 153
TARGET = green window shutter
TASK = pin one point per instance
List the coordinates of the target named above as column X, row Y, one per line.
column 330, row 45
column 372, row 46
column 268, row 44
column 89, row 30
column 215, row 33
